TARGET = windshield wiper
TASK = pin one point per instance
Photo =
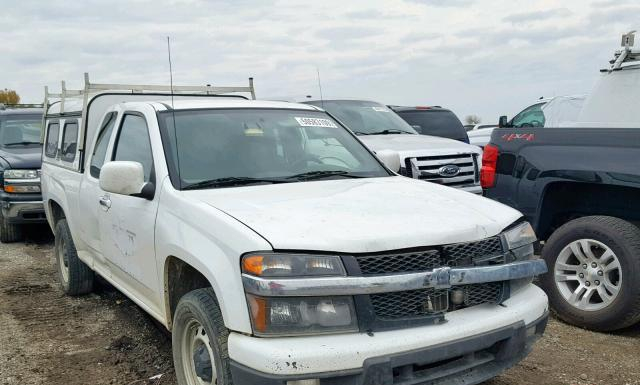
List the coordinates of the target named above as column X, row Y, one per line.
column 392, row 131
column 231, row 181
column 323, row 174
column 361, row 133
column 20, row 143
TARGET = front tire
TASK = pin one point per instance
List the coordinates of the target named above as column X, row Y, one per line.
column 199, row 341
column 594, row 265
column 9, row 232
column 76, row 278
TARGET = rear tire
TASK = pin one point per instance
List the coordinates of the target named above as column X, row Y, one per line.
column 9, row 232
column 199, row 340
column 594, row 266
column 76, row 278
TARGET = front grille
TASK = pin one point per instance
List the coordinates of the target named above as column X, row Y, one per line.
column 490, row 292
column 400, row 263
column 488, row 250
column 429, row 168
column 411, row 303
column 464, row 254
column 429, row 301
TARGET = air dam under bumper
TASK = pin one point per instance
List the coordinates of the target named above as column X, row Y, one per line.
column 475, row 344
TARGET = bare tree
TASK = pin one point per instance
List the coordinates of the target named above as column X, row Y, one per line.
column 472, row 119
column 9, row 97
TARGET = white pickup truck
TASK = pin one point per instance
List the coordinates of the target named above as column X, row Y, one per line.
column 272, row 263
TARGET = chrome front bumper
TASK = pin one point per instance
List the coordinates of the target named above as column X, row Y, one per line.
column 440, row 278
column 23, row 212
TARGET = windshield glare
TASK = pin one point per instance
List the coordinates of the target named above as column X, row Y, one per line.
column 365, row 118
column 20, row 130
column 262, row 144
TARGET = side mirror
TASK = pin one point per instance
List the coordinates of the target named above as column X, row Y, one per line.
column 502, row 121
column 418, row 128
column 125, row 178
column 390, row 158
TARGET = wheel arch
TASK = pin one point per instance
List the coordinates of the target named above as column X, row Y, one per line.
column 55, row 212
column 182, row 273
column 180, row 277
column 563, row 201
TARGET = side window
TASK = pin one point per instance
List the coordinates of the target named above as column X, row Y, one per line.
column 133, row 143
column 69, row 141
column 530, row 117
column 100, row 150
column 51, row 146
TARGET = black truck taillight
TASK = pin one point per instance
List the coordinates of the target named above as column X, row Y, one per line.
column 489, row 163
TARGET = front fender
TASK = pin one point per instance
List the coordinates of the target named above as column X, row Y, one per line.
column 211, row 242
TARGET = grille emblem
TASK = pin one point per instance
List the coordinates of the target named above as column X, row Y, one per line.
column 449, row 170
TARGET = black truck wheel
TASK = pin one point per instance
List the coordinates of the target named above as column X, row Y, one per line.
column 594, row 267
column 199, row 340
column 76, row 278
column 9, row 232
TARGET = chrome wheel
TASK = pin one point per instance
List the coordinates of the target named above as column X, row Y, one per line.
column 63, row 259
column 197, row 355
column 588, row 274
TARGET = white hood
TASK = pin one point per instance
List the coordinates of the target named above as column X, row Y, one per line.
column 360, row 215
column 417, row 145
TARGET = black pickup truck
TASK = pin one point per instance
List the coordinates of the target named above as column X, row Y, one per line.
column 580, row 189
column 20, row 161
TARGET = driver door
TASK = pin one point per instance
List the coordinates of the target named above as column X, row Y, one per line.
column 127, row 222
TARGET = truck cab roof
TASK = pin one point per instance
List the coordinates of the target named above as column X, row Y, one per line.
column 223, row 102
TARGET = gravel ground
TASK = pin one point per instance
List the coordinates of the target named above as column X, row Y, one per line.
column 103, row 338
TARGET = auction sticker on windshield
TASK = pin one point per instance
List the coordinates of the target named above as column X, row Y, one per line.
column 316, row 122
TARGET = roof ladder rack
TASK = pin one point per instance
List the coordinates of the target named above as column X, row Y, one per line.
column 139, row 89
column 96, row 88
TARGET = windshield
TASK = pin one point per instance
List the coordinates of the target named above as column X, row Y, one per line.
column 440, row 123
column 365, row 118
column 20, row 130
column 215, row 148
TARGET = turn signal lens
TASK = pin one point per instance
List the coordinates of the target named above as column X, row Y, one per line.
column 17, row 189
column 252, row 264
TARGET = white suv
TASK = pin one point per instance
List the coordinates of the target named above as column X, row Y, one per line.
column 279, row 250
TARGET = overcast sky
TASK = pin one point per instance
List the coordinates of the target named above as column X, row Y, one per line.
column 473, row 56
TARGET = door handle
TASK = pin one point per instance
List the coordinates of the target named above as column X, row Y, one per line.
column 105, row 202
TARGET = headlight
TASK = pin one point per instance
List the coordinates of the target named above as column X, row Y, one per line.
column 291, row 265
column 21, row 181
column 520, row 241
column 287, row 316
column 520, row 235
column 21, row 174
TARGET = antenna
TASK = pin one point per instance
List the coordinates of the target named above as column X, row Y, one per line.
column 173, row 111
column 320, row 87
column 170, row 74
